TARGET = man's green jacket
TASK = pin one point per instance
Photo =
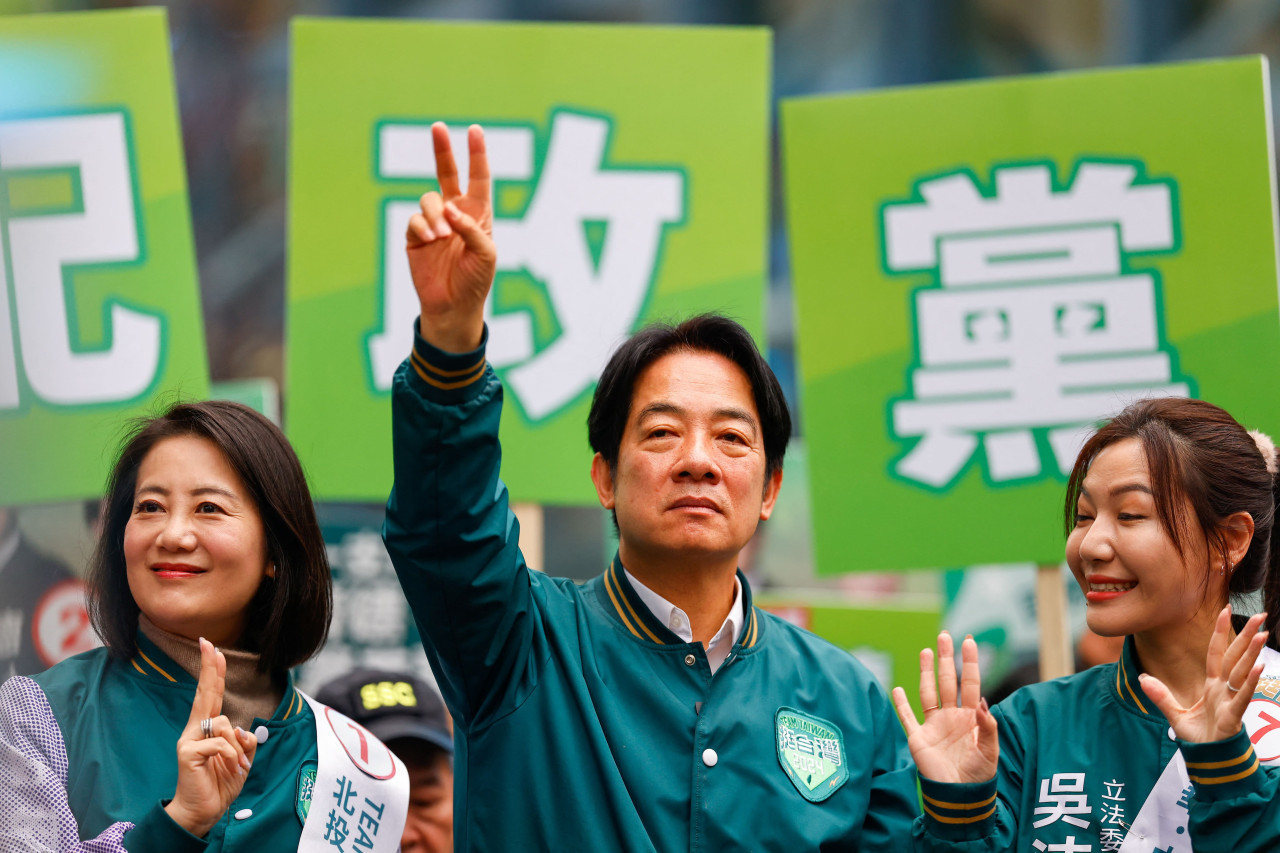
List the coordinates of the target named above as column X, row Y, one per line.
column 582, row 723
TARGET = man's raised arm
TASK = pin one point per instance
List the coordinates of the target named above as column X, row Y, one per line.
column 448, row 529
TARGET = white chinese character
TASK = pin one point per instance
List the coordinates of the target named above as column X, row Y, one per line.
column 786, row 739
column 1115, row 791
column 377, row 615
column 804, row 743
column 1036, row 324
column 828, row 748
column 1062, row 797
column 1068, row 846
column 11, row 619
column 1111, row 839
column 364, row 557
column 596, row 300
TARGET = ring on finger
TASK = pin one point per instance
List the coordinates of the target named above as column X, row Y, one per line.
column 1232, row 687
column 206, row 727
column 932, row 708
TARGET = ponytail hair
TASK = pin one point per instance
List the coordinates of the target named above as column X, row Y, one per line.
column 1271, row 587
column 1196, row 451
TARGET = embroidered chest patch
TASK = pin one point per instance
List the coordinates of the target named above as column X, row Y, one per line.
column 811, row 751
column 306, row 787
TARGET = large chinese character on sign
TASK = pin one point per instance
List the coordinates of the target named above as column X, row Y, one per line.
column 614, row 204
column 1037, row 323
column 99, row 303
column 985, row 270
column 591, row 232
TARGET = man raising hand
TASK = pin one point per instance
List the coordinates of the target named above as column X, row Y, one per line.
column 652, row 708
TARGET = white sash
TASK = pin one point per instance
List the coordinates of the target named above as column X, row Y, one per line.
column 361, row 793
column 1161, row 823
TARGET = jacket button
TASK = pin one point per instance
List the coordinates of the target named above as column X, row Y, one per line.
column 709, row 757
column 244, row 813
column 690, row 660
column 261, row 733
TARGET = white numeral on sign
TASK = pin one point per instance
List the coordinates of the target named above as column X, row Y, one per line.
column 42, row 246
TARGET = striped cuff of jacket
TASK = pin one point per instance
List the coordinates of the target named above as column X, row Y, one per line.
column 1222, row 769
column 446, row 377
column 955, row 808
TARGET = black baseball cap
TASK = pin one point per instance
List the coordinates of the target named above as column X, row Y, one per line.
column 392, row 705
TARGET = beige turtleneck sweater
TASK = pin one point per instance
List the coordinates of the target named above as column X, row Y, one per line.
column 248, row 693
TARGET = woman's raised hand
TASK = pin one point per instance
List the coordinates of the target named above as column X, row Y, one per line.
column 212, row 769
column 957, row 741
column 1231, row 677
column 452, row 257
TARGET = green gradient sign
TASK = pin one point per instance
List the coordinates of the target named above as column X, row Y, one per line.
column 99, row 303
column 618, row 196
column 1001, row 265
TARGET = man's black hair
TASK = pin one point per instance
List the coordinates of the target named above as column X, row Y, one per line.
column 714, row 333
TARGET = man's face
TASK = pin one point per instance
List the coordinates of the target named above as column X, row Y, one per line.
column 428, row 828
column 690, row 478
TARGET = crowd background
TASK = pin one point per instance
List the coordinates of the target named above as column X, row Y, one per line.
column 231, row 65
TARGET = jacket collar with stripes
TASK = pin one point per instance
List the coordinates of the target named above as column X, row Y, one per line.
column 1124, row 684
column 621, row 601
column 154, row 665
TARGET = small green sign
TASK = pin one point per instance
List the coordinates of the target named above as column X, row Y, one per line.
column 615, row 203
column 811, row 750
column 99, row 304
column 971, row 303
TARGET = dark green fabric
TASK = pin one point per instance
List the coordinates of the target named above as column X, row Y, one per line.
column 1100, row 723
column 157, row 831
column 121, row 729
column 574, row 729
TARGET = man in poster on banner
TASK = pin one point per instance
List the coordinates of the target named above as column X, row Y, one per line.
column 43, row 619
column 675, row 714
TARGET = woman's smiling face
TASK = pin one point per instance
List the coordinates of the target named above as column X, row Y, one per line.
column 194, row 545
column 1132, row 574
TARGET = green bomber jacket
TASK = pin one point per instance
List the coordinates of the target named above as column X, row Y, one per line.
column 1088, row 764
column 582, row 722
column 98, row 738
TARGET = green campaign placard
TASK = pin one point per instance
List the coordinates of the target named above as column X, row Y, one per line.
column 619, row 198
column 984, row 271
column 99, row 301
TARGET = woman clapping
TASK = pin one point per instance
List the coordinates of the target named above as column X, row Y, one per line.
column 1169, row 515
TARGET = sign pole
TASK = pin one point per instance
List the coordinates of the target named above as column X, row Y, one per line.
column 532, row 533
column 1056, row 659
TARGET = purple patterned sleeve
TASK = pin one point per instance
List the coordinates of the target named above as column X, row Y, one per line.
column 34, row 812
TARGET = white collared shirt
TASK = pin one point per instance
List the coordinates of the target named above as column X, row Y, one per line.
column 678, row 621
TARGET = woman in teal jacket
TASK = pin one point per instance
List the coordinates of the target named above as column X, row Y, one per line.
column 209, row 582
column 1169, row 515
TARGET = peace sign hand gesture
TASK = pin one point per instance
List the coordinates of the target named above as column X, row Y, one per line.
column 452, row 257
column 957, row 741
column 212, row 765
column 1231, row 677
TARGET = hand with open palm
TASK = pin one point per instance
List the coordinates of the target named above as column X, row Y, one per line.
column 957, row 742
column 1231, row 677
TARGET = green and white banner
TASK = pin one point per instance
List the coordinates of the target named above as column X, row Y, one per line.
column 99, row 303
column 619, row 197
column 984, row 271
